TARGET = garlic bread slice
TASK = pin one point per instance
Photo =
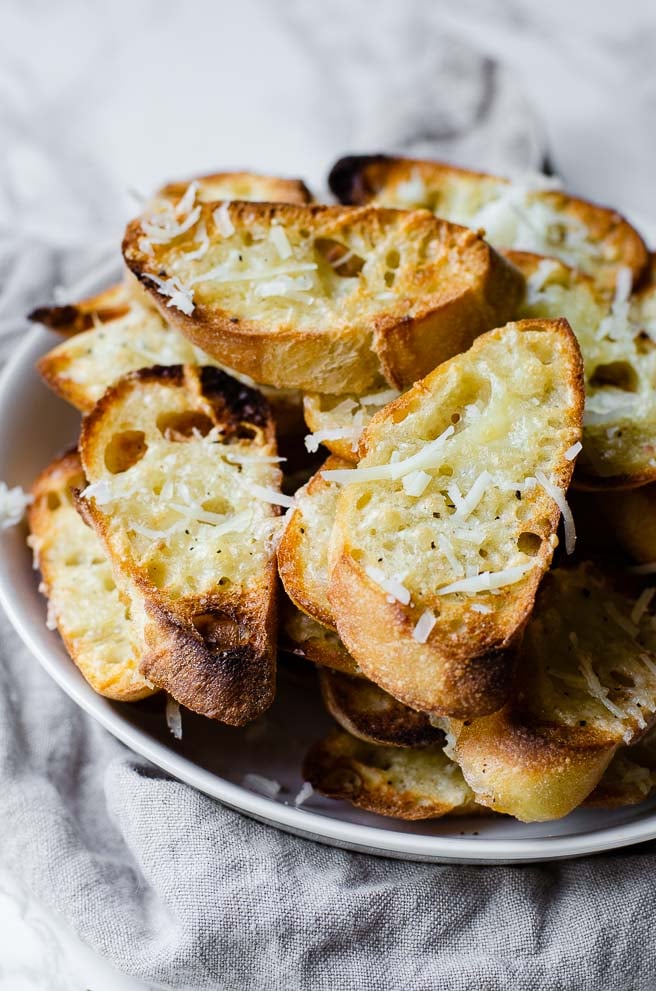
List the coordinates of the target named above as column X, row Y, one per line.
column 617, row 335
column 366, row 711
column 630, row 777
column 303, row 548
column 184, row 493
column 446, row 527
column 322, row 298
column 530, row 214
column 239, row 186
column 337, row 422
column 586, row 686
column 303, row 636
column 404, row 784
column 83, row 600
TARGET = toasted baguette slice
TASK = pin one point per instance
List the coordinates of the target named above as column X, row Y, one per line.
column 239, row 186
column 305, row 637
column 412, row 538
column 618, row 343
column 83, row 600
column 528, row 215
column 120, row 331
column 338, row 421
column 303, row 548
column 586, row 686
column 366, row 711
column 405, row 784
column 630, row 777
column 320, row 298
column 179, row 461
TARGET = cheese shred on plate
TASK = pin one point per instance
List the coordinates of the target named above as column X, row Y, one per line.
column 173, row 717
column 13, row 503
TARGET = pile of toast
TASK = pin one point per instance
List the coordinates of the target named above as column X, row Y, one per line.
column 468, row 561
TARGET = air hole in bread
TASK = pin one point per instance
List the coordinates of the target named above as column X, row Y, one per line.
column 644, row 343
column 216, row 505
column 341, row 259
column 244, row 432
column 363, row 501
column 180, row 426
column 455, row 418
column 73, row 561
column 620, row 374
column 393, row 259
column 53, row 501
column 389, row 279
column 157, row 573
column 446, row 470
column 529, row 543
column 109, row 584
column 124, row 450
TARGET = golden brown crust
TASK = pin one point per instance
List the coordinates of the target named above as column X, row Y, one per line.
column 471, row 673
column 57, row 532
column 108, row 305
column 303, row 636
column 307, row 587
column 366, row 711
column 430, row 318
column 360, row 179
column 403, row 784
column 215, row 653
column 241, row 186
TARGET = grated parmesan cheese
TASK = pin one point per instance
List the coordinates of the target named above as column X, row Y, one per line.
column 379, row 398
column 467, row 505
column 13, row 503
column 312, row 441
column 264, row 786
column 558, row 497
column 396, row 591
column 487, row 580
column 642, row 605
column 181, row 297
column 280, row 241
column 596, row 689
column 273, row 496
column 173, row 717
column 424, row 626
column 306, row 792
column 427, row 457
column 222, row 220
column 572, row 451
column 415, row 483
column 623, row 622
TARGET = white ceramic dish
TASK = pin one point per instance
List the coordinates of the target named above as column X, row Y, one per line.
column 35, row 426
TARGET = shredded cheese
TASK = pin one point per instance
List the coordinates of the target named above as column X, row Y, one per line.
column 272, row 496
column 572, row 451
column 222, row 220
column 394, row 588
column 424, row 626
column 306, row 792
column 642, row 605
column 13, row 503
column 181, row 297
column 467, row 505
column 427, row 457
column 264, row 786
column 623, row 622
column 558, row 497
column 280, row 241
column 487, row 580
column 416, row 482
column 596, row 689
column 173, row 717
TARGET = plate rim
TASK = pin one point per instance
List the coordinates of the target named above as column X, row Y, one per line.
column 296, row 820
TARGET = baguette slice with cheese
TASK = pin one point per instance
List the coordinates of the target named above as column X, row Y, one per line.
column 446, row 527
column 83, row 600
column 617, row 336
column 366, row 711
column 184, row 493
column 119, row 331
column 532, row 214
column 303, row 548
column 586, row 686
column 331, row 299
column 337, row 422
column 303, row 636
column 238, row 186
column 402, row 783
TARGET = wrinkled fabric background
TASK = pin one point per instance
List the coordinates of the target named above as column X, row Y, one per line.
column 98, row 99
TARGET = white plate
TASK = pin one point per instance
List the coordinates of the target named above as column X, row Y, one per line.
column 214, row 758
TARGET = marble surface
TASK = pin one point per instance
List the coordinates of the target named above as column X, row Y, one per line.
column 98, row 100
